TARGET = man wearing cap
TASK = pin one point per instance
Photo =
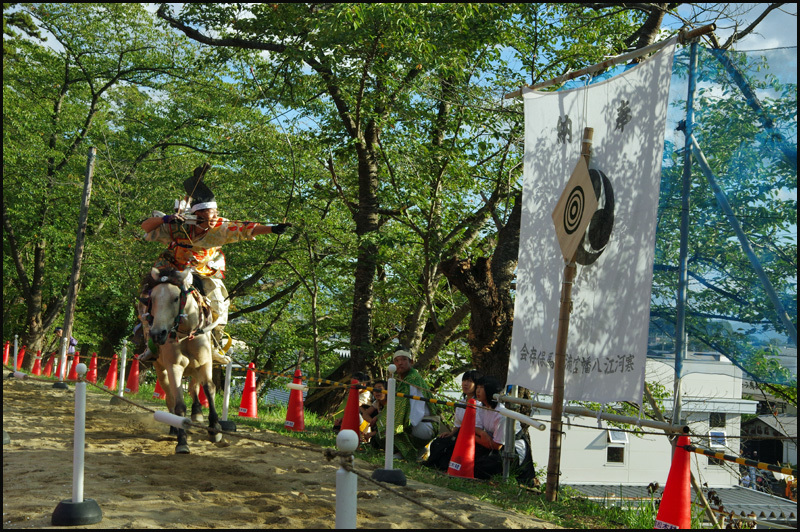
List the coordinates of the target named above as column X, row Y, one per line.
column 416, row 422
column 197, row 245
column 72, row 341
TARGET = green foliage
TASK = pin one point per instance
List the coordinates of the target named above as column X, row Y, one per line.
column 760, row 183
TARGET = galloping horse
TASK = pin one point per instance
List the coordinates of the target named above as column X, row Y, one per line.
column 185, row 349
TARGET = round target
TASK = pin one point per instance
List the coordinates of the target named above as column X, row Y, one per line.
column 599, row 231
column 573, row 213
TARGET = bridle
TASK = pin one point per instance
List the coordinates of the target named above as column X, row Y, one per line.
column 184, row 296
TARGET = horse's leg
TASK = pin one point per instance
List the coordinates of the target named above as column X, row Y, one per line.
column 197, row 406
column 213, row 417
column 204, row 376
column 175, row 372
column 163, row 379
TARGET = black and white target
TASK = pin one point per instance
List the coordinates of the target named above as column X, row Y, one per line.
column 598, row 233
column 573, row 213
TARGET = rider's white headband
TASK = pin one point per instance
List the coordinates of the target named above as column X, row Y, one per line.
column 200, row 206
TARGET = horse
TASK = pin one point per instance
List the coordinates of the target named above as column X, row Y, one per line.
column 184, row 347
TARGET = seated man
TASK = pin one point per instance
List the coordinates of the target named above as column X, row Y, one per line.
column 416, row 422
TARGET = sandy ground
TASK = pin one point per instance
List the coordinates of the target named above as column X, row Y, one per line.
column 133, row 474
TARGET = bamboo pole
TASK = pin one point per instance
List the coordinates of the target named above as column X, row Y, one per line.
column 74, row 282
column 607, row 416
column 570, row 269
column 683, row 37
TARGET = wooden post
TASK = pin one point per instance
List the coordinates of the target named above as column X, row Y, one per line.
column 570, row 269
column 80, row 237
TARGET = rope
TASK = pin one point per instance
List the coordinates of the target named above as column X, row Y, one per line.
column 350, row 468
column 742, row 461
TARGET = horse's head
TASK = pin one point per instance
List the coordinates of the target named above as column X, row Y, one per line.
column 167, row 301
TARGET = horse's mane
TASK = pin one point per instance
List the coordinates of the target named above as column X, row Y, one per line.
column 172, row 277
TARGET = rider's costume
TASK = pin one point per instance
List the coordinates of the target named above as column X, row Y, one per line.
column 202, row 254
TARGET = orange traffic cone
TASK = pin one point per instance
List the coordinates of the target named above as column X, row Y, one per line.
column 132, row 384
column 462, row 461
column 111, row 376
column 48, row 368
column 6, row 352
column 351, row 417
column 37, row 364
column 159, row 392
column 248, row 408
column 20, row 357
column 73, row 370
column 91, row 375
column 676, row 503
column 201, row 396
column 295, row 417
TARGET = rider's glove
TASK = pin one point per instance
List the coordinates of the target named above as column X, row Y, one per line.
column 169, row 218
column 280, row 228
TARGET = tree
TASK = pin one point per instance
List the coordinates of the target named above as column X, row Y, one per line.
column 134, row 90
column 368, row 63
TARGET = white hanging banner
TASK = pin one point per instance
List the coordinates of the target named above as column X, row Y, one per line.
column 607, row 342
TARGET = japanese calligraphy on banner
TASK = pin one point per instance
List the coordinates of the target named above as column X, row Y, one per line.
column 607, row 342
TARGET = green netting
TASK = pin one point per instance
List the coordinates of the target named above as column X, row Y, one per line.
column 745, row 122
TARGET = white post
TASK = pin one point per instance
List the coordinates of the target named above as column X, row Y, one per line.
column 78, row 511
column 62, row 361
column 227, row 393
column 392, row 384
column 80, row 434
column 121, row 387
column 388, row 474
column 16, row 348
column 346, row 481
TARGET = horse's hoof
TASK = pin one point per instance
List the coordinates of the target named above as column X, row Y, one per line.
column 197, row 418
column 215, row 437
column 182, row 449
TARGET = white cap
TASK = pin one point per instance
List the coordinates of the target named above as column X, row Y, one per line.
column 403, row 353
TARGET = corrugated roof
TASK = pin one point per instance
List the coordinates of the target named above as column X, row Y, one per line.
column 741, row 501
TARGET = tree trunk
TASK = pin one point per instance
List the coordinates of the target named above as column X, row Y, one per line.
column 366, row 219
column 487, row 285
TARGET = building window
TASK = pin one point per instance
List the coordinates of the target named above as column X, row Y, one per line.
column 717, row 439
column 716, row 420
column 615, row 455
column 617, row 441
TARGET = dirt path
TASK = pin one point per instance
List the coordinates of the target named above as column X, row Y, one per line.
column 138, row 482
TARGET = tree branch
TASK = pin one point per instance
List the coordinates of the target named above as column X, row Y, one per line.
column 197, row 36
column 280, row 295
column 739, row 35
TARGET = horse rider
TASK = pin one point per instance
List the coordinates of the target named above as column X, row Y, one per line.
column 194, row 241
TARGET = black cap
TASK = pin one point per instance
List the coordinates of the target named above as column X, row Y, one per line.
column 202, row 197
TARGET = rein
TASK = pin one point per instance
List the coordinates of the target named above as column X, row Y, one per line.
column 173, row 332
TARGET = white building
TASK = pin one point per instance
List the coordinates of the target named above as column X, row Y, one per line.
column 712, row 406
